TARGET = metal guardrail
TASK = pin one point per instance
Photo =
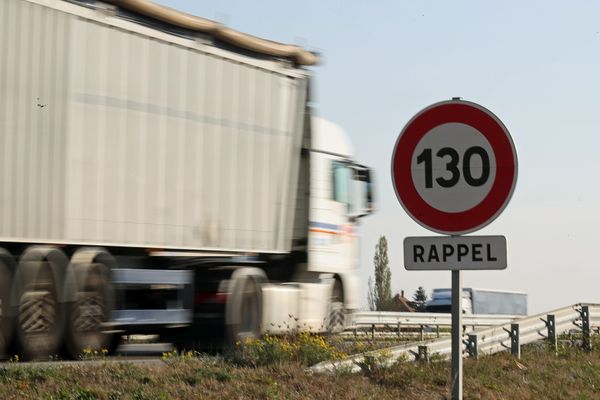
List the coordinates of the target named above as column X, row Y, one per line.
column 505, row 336
column 536, row 327
column 386, row 318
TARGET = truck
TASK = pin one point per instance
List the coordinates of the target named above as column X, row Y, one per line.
column 480, row 301
column 165, row 174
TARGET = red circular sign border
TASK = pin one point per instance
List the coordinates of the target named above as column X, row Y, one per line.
column 495, row 132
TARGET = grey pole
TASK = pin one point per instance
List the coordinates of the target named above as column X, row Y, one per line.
column 457, row 372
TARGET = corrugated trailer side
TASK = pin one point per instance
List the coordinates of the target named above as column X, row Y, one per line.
column 33, row 108
column 117, row 134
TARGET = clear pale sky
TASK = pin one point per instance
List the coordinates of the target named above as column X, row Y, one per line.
column 535, row 64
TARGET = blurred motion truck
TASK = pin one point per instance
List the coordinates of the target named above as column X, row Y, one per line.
column 162, row 173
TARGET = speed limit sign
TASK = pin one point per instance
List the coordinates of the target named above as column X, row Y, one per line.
column 454, row 167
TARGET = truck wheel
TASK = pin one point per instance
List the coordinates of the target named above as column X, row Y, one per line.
column 334, row 322
column 92, row 303
column 249, row 324
column 7, row 321
column 244, row 309
column 39, row 307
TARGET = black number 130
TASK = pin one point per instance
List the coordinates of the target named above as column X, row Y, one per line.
column 452, row 166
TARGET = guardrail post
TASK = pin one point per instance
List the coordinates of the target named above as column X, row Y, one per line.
column 399, row 334
column 585, row 328
column 421, row 333
column 472, row 346
column 423, row 354
column 437, row 331
column 373, row 331
column 551, row 326
column 515, row 346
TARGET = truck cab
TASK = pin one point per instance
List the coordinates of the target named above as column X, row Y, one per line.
column 341, row 193
column 334, row 193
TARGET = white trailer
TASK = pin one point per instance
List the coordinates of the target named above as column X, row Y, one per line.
column 163, row 173
column 480, row 301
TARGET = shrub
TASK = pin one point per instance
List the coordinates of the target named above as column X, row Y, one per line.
column 372, row 363
column 312, row 349
column 303, row 348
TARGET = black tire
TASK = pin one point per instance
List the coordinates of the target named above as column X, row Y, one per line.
column 250, row 315
column 335, row 319
column 39, row 306
column 114, row 341
column 244, row 308
column 7, row 320
column 91, row 307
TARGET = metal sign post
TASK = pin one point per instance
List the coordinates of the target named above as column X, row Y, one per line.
column 457, row 360
column 454, row 169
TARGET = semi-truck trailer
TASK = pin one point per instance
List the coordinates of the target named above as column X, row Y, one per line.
column 480, row 301
column 162, row 173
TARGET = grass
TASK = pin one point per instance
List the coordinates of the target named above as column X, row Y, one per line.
column 269, row 370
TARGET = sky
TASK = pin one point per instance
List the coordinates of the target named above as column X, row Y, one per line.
column 535, row 64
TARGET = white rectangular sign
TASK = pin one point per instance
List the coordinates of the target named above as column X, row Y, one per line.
column 430, row 253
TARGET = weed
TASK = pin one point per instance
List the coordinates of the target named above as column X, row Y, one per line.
column 139, row 394
column 371, row 363
column 304, row 348
column 84, row 394
column 115, row 395
column 28, row 374
column 199, row 375
column 174, row 355
column 93, row 354
column 122, row 371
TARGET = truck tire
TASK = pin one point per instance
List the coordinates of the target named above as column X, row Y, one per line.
column 243, row 313
column 92, row 303
column 38, row 303
column 334, row 322
column 7, row 320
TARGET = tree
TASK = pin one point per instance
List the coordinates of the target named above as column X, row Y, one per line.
column 380, row 292
column 420, row 298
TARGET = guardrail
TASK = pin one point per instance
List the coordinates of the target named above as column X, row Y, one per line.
column 503, row 337
column 386, row 318
column 395, row 321
column 531, row 329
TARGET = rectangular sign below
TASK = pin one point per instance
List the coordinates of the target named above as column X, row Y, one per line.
column 433, row 253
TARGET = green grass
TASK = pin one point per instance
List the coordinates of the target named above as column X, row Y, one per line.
column 540, row 374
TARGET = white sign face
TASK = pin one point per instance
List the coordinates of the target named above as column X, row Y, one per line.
column 454, row 167
column 434, row 253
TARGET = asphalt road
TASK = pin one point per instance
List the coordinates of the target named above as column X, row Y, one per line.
column 142, row 353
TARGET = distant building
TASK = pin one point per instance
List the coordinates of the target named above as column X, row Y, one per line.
column 401, row 303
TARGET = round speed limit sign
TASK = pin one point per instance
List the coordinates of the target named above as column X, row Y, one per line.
column 454, row 167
